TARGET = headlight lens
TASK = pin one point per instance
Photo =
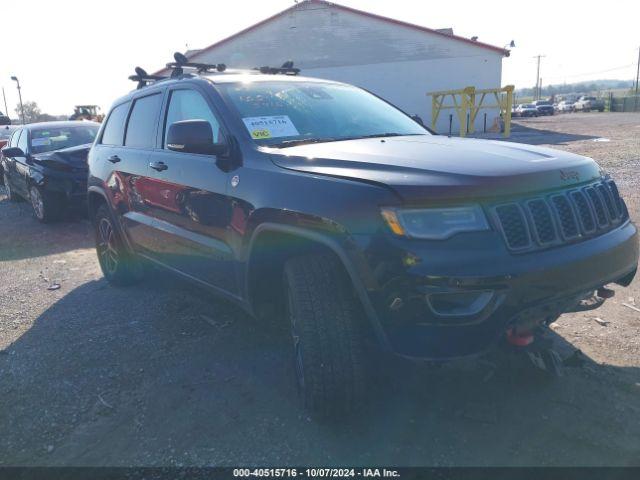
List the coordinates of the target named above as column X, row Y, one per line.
column 435, row 223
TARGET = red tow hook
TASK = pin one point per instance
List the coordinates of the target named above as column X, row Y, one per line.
column 519, row 339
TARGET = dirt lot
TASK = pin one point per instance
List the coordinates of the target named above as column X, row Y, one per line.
column 157, row 375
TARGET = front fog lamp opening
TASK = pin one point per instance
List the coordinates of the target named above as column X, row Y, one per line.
column 459, row 304
column 435, row 223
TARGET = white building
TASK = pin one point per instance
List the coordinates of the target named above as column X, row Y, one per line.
column 399, row 61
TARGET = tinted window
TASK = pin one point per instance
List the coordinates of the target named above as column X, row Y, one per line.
column 114, row 129
column 190, row 105
column 23, row 141
column 57, row 138
column 141, row 129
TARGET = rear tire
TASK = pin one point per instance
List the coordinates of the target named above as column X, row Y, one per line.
column 328, row 337
column 119, row 266
column 46, row 207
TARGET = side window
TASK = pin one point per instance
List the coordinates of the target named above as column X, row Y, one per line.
column 23, row 142
column 189, row 105
column 114, row 128
column 141, row 129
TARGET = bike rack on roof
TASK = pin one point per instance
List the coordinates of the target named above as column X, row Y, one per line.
column 143, row 78
column 287, row 68
column 182, row 62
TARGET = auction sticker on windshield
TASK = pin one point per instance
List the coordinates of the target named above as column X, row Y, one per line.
column 270, row 127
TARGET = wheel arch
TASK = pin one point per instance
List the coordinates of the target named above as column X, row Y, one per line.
column 95, row 198
column 272, row 244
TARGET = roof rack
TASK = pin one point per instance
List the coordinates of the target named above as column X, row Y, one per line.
column 143, row 78
column 181, row 62
column 286, row 69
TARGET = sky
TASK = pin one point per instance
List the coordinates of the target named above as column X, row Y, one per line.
column 68, row 52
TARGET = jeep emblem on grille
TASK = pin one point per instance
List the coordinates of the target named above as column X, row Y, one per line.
column 566, row 175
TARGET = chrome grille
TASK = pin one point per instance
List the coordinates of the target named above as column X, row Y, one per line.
column 556, row 219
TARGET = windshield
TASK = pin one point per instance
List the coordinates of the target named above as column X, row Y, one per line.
column 57, row 138
column 288, row 113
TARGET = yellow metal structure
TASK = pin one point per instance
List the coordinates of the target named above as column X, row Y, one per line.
column 467, row 102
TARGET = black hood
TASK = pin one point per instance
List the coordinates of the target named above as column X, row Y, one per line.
column 75, row 157
column 436, row 167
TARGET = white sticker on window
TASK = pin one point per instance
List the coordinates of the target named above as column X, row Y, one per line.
column 40, row 142
column 270, row 127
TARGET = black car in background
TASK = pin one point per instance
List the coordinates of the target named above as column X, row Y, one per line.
column 46, row 163
column 544, row 107
column 319, row 205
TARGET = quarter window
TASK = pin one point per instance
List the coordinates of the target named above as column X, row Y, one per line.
column 141, row 129
column 23, row 141
column 14, row 138
column 114, row 129
column 190, row 105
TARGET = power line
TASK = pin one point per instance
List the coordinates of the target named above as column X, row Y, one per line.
column 593, row 73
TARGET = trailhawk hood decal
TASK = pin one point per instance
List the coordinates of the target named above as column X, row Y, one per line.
column 438, row 167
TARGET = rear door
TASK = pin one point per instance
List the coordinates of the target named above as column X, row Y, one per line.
column 186, row 195
column 123, row 154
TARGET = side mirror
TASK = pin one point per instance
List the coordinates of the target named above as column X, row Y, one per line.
column 416, row 118
column 13, row 152
column 193, row 136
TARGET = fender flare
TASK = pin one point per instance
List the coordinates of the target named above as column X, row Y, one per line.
column 335, row 247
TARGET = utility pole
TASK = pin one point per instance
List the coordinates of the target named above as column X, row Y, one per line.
column 6, row 110
column 638, row 72
column 538, row 86
column 15, row 79
column 637, row 80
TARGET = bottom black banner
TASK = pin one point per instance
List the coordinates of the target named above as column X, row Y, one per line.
column 398, row 473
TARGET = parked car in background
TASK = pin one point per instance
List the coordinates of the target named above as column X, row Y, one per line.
column 526, row 110
column 565, row 106
column 318, row 204
column 47, row 164
column 544, row 107
column 5, row 134
column 4, row 119
column 586, row 104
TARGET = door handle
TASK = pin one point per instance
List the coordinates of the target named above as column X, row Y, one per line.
column 114, row 159
column 159, row 166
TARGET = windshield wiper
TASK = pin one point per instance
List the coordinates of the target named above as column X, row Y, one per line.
column 381, row 135
column 304, row 141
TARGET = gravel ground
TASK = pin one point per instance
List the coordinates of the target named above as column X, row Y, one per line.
column 160, row 374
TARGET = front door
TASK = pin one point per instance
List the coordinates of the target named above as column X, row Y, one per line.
column 186, row 195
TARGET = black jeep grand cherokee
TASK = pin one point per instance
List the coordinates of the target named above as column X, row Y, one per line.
column 324, row 199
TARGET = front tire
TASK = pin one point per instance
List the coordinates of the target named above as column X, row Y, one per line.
column 119, row 266
column 328, row 338
column 46, row 207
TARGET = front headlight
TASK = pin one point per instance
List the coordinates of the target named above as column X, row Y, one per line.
column 435, row 223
